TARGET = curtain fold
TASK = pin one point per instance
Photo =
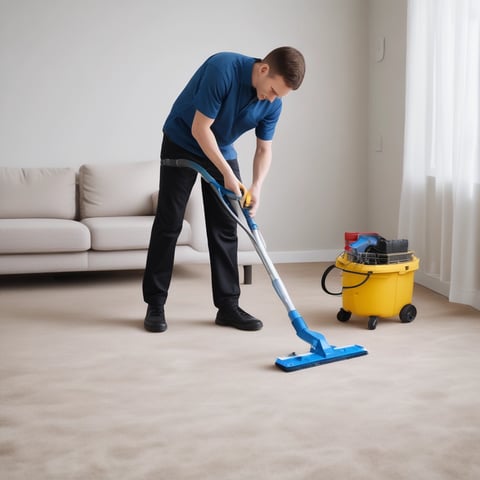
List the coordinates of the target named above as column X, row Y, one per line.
column 440, row 200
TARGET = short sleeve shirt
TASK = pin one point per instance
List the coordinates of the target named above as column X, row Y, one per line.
column 222, row 90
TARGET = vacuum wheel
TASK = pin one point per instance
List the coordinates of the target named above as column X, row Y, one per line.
column 408, row 313
column 372, row 322
column 343, row 315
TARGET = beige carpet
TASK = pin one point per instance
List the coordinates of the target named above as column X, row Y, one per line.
column 87, row 394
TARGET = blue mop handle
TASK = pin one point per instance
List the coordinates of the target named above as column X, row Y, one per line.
column 317, row 341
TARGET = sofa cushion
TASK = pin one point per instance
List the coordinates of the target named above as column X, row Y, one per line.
column 37, row 193
column 43, row 235
column 126, row 233
column 43, row 262
column 118, row 190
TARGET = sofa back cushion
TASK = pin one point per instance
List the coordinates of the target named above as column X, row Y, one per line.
column 37, row 193
column 113, row 190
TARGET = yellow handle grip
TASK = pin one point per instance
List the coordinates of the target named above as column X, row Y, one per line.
column 246, row 199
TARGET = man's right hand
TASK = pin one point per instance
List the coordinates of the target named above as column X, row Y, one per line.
column 232, row 183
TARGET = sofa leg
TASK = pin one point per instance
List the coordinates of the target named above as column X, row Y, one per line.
column 247, row 274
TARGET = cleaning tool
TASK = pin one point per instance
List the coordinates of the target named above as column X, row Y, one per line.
column 237, row 207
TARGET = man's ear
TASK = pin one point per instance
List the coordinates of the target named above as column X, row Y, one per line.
column 264, row 68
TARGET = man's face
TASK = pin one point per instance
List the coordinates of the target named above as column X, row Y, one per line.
column 269, row 87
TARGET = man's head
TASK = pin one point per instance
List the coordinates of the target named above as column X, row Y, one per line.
column 281, row 71
column 288, row 63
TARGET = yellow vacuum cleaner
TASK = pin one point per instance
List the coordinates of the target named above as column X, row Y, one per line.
column 377, row 279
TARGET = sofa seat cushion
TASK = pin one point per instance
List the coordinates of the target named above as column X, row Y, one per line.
column 126, row 233
column 42, row 235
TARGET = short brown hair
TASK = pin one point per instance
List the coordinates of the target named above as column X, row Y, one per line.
column 289, row 63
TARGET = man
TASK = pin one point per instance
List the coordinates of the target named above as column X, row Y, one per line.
column 227, row 96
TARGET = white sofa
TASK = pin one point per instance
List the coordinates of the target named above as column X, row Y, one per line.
column 97, row 217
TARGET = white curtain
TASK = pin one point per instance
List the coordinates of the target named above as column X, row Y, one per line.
column 440, row 201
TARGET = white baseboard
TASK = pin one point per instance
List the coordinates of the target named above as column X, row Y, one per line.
column 432, row 282
column 304, row 256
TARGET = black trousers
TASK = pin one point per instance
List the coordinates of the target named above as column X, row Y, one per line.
column 176, row 184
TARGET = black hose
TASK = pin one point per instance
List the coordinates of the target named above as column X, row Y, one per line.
column 330, row 268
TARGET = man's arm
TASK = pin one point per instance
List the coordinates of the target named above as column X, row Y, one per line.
column 203, row 134
column 261, row 165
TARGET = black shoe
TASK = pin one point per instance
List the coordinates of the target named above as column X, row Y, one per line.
column 237, row 318
column 155, row 319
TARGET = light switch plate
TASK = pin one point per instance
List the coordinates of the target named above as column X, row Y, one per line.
column 379, row 49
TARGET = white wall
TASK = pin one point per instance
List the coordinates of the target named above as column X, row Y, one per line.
column 91, row 81
column 386, row 106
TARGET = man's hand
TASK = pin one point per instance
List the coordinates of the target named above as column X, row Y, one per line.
column 254, row 200
column 232, row 183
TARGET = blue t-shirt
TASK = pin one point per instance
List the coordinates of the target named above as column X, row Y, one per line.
column 222, row 89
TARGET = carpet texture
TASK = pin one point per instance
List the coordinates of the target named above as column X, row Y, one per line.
column 86, row 393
